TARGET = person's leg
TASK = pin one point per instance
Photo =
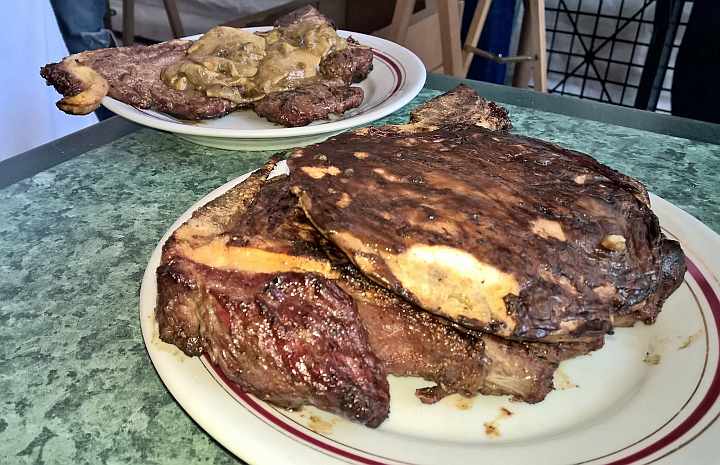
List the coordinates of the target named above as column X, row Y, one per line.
column 82, row 28
column 695, row 80
column 81, row 24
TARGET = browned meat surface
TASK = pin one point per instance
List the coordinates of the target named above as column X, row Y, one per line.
column 302, row 106
column 411, row 342
column 303, row 14
column 351, row 65
column 506, row 234
column 272, row 236
column 287, row 336
column 133, row 77
column 461, row 105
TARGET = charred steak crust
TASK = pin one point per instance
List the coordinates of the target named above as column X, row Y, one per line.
column 411, row 342
column 303, row 14
column 502, row 233
column 460, row 105
column 302, row 106
column 290, row 338
column 221, row 312
column 408, row 341
column 63, row 80
column 350, row 65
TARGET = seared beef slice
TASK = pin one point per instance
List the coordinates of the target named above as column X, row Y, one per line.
column 500, row 233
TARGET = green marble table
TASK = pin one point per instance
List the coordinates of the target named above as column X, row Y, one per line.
column 80, row 217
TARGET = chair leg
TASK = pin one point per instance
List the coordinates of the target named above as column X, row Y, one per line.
column 521, row 72
column 474, row 32
column 401, row 21
column 449, row 15
column 174, row 18
column 537, row 12
column 128, row 22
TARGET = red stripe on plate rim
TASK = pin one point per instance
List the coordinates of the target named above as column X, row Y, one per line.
column 391, row 63
column 712, row 393
column 690, row 421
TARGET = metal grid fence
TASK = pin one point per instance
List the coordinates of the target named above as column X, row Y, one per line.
column 616, row 51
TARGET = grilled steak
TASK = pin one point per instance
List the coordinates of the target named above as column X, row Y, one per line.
column 505, row 234
column 288, row 336
column 408, row 341
column 252, row 284
column 131, row 75
column 461, row 105
column 134, row 75
column 350, row 65
column 302, row 106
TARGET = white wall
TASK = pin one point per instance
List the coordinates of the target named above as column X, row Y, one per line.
column 30, row 38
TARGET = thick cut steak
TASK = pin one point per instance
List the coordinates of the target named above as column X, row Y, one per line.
column 275, row 324
column 249, row 282
column 501, row 233
column 407, row 340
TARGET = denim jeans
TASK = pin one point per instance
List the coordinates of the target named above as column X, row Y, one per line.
column 81, row 24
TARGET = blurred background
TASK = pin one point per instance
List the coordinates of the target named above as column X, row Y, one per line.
column 655, row 55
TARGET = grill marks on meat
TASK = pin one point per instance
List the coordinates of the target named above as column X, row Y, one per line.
column 505, row 234
column 133, row 75
column 302, row 106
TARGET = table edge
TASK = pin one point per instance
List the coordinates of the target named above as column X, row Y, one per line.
column 42, row 157
column 45, row 156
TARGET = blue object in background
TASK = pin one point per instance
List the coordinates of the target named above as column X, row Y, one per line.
column 495, row 38
column 81, row 24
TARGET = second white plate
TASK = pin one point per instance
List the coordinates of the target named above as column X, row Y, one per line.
column 397, row 77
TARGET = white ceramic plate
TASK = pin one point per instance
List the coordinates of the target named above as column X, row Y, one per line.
column 397, row 76
column 612, row 407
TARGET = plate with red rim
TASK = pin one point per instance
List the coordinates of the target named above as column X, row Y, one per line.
column 649, row 396
column 397, row 77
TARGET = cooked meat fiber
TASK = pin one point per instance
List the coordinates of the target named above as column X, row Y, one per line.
column 505, row 234
column 131, row 75
column 461, row 105
column 411, row 342
column 304, row 105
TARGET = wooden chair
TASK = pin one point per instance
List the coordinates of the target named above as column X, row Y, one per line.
column 129, row 20
column 456, row 59
column 262, row 18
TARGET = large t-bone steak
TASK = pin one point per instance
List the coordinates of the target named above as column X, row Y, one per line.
column 249, row 282
column 506, row 234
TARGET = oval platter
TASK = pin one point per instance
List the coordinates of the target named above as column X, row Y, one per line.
column 649, row 396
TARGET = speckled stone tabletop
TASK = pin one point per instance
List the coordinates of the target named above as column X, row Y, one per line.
column 76, row 385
